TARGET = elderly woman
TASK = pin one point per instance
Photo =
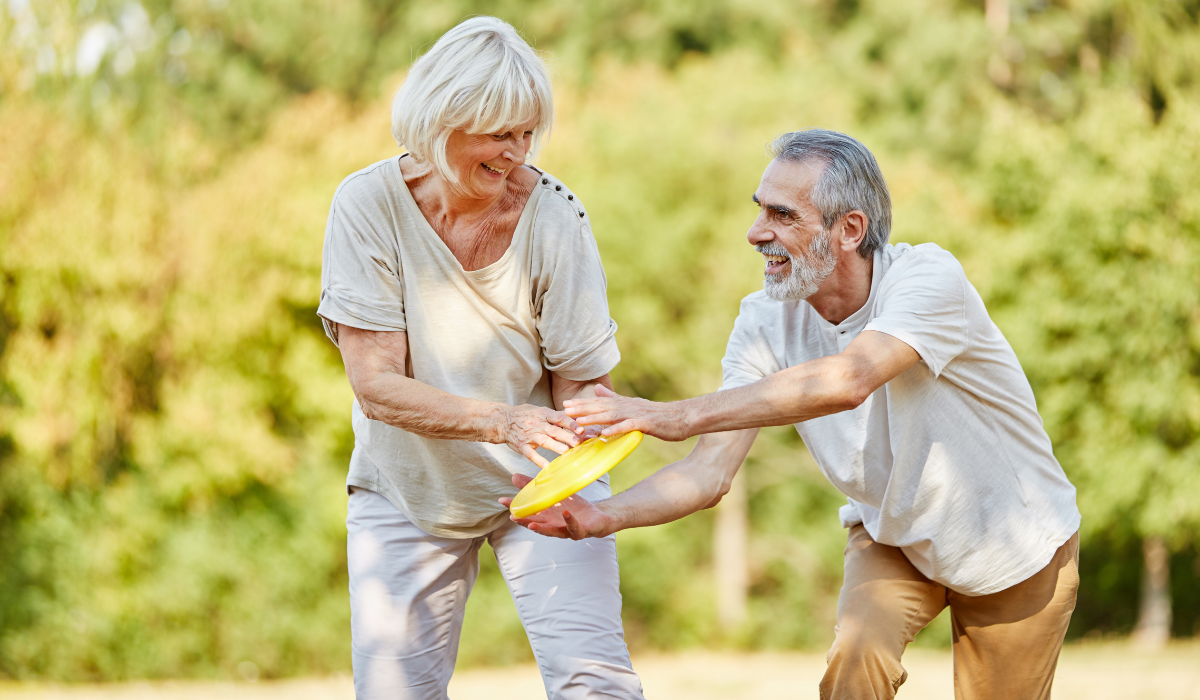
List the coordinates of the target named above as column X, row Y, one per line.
column 464, row 290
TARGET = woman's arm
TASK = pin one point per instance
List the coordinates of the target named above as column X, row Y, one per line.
column 566, row 389
column 375, row 365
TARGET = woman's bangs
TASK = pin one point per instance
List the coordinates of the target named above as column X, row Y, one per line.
column 507, row 101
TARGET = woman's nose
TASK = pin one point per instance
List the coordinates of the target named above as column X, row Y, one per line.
column 516, row 151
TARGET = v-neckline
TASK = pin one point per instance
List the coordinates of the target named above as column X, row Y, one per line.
column 427, row 228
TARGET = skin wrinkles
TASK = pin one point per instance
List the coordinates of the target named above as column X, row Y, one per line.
column 476, row 219
column 728, row 421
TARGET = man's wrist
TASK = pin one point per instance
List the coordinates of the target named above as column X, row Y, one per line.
column 687, row 417
column 612, row 519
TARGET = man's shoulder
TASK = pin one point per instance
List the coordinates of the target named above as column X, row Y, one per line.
column 923, row 258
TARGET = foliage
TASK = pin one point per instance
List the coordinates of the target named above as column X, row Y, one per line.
column 173, row 424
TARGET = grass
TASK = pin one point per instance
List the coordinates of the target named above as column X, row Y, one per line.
column 1095, row 671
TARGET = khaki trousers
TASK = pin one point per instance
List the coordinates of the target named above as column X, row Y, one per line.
column 1006, row 644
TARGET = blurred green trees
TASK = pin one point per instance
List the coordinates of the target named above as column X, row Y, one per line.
column 174, row 426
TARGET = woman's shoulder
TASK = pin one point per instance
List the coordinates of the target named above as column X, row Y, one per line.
column 558, row 204
column 369, row 184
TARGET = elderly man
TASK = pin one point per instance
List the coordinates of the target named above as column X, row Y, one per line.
column 912, row 403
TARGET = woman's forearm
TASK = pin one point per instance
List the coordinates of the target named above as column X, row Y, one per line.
column 430, row 412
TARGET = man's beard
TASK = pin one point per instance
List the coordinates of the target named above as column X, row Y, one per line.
column 807, row 271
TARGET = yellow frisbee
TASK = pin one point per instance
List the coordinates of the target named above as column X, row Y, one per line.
column 573, row 470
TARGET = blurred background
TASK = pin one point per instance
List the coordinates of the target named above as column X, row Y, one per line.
column 174, row 426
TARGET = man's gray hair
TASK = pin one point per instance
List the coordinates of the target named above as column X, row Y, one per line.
column 852, row 180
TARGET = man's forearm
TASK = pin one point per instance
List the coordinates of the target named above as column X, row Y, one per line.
column 694, row 483
column 810, row 390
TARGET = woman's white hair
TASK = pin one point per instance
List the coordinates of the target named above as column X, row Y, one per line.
column 480, row 77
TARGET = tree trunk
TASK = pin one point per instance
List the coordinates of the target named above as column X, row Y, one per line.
column 730, row 556
column 1154, row 618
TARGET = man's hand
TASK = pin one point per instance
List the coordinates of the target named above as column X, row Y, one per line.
column 665, row 421
column 575, row 518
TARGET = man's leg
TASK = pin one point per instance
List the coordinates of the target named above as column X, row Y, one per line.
column 884, row 602
column 569, row 598
column 1006, row 644
column 408, row 592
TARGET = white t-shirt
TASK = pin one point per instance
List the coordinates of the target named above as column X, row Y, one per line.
column 492, row 334
column 948, row 461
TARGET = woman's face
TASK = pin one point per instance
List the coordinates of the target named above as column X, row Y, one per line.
column 483, row 162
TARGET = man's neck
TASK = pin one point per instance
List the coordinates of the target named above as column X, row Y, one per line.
column 846, row 290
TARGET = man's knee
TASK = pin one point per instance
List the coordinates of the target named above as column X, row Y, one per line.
column 862, row 657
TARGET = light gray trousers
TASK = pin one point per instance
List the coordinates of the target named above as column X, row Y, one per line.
column 408, row 593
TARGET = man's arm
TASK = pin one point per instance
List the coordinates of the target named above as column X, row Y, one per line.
column 696, row 482
column 375, row 362
column 815, row 388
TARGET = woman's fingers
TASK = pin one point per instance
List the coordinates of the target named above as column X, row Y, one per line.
column 532, row 455
column 563, row 421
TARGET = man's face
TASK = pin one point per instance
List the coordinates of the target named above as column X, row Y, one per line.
column 797, row 250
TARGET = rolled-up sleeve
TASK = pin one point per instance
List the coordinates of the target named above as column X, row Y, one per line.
column 571, row 294
column 361, row 276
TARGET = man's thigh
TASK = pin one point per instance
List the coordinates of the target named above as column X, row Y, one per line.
column 569, row 598
column 408, row 593
column 1006, row 645
column 883, row 603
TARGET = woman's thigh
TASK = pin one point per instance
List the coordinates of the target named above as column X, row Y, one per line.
column 569, row 598
column 408, row 592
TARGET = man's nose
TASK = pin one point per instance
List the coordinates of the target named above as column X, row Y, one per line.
column 759, row 232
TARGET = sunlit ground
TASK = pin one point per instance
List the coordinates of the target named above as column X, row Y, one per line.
column 1092, row 671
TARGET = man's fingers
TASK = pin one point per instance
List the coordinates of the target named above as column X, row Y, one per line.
column 607, row 418
column 625, row 426
column 574, row 529
column 604, row 392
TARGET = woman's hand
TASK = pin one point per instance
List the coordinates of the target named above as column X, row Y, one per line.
column 525, row 428
column 574, row 518
column 622, row 414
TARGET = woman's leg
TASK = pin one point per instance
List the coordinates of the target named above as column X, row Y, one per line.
column 569, row 598
column 408, row 592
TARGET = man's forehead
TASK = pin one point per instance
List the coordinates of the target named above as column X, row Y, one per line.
column 787, row 183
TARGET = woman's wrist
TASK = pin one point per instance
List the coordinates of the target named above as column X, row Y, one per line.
column 499, row 417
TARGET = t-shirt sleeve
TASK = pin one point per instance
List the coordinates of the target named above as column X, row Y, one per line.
column 361, row 275
column 749, row 356
column 571, row 293
column 923, row 304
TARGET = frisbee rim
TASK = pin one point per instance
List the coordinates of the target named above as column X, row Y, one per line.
column 597, row 467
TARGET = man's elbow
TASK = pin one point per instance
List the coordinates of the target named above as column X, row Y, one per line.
column 722, row 488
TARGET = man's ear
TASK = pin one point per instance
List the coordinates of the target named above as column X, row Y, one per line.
column 853, row 230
